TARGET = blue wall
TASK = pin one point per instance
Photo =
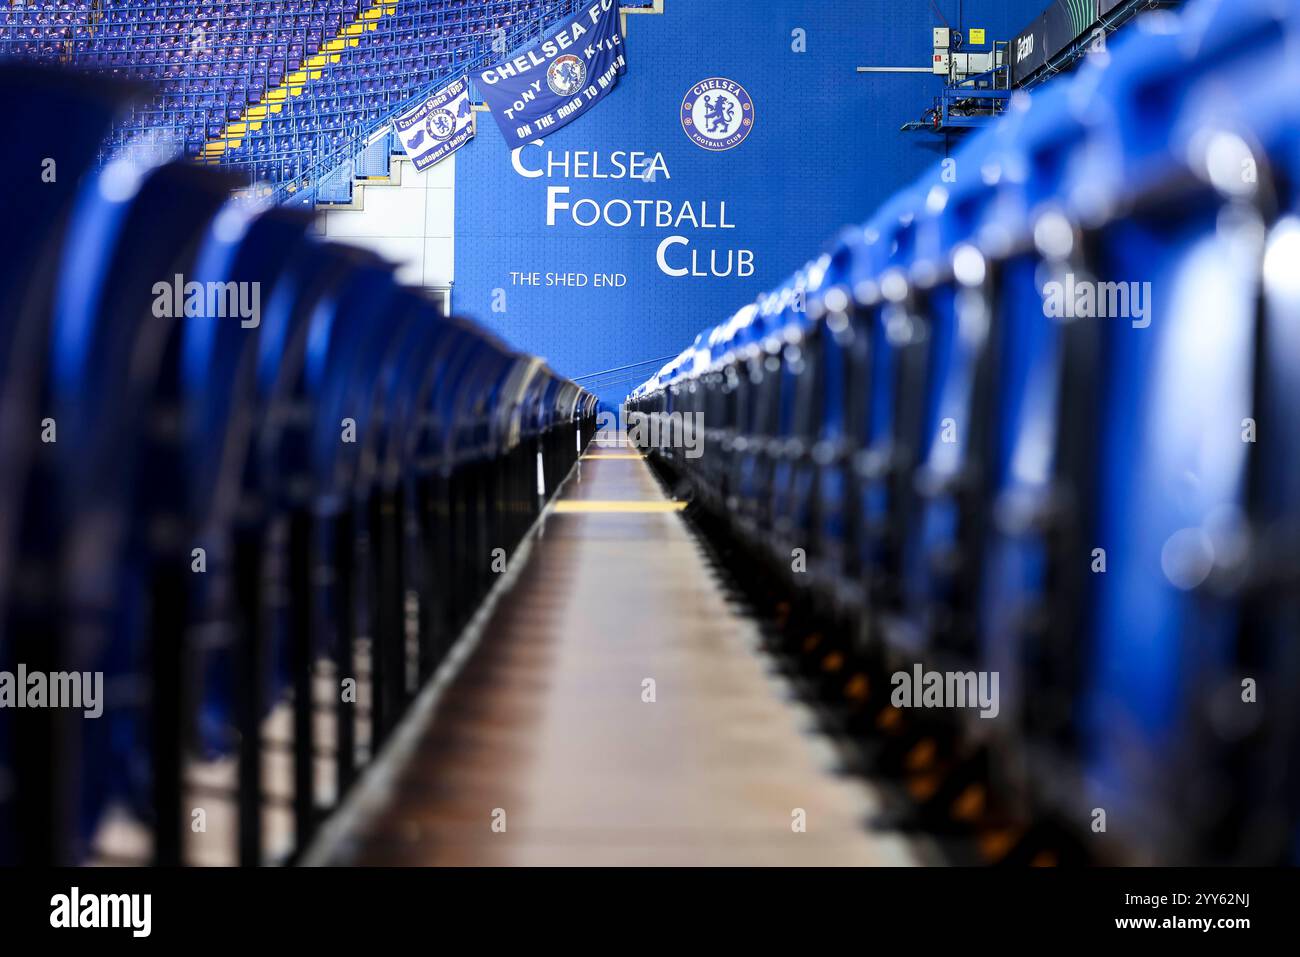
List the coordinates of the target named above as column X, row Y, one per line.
column 825, row 149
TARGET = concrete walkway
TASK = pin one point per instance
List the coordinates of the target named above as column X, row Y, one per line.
column 615, row 709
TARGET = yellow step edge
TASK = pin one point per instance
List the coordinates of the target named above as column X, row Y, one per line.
column 309, row 69
column 599, row 507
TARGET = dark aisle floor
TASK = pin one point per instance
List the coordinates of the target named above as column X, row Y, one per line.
column 545, row 748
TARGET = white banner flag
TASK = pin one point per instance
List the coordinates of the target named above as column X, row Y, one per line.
column 438, row 126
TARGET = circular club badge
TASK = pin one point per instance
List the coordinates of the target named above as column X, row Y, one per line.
column 566, row 75
column 717, row 114
column 440, row 124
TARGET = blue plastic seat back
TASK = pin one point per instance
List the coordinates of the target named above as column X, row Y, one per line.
column 310, row 279
column 1275, row 517
column 301, row 359
column 448, row 396
column 62, row 120
column 1052, row 135
column 309, row 285
column 951, row 424
column 254, row 250
column 409, row 367
column 474, row 409
column 1241, row 63
column 1175, row 397
column 432, row 420
column 792, row 325
column 350, row 337
column 114, row 357
column 1134, row 108
column 971, row 185
column 1247, row 70
column 829, row 299
column 891, row 330
column 115, row 319
column 1030, row 170
column 1023, row 443
column 549, row 401
column 258, row 251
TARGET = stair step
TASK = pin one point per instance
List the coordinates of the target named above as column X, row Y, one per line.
column 310, row 68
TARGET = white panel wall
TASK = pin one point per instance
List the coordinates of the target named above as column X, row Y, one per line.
column 412, row 223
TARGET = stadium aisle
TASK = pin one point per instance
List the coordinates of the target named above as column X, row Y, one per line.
column 547, row 747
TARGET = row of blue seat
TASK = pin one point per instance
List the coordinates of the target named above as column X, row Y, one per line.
column 1099, row 503
column 205, row 74
column 205, row 507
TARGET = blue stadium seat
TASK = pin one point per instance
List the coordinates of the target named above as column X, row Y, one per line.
column 291, row 411
column 1038, row 426
column 114, row 473
column 201, row 67
column 220, row 399
column 28, row 259
column 1073, row 493
column 840, row 347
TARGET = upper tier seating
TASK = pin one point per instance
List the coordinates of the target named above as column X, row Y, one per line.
column 304, row 83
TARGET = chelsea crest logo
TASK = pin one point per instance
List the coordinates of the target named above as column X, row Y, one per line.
column 717, row 114
column 566, row 75
column 440, row 124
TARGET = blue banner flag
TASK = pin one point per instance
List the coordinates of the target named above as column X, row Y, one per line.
column 558, row 78
column 435, row 128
